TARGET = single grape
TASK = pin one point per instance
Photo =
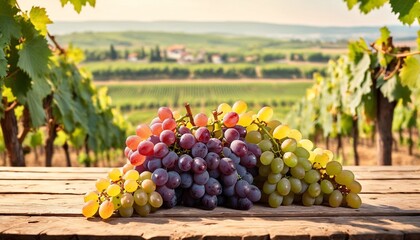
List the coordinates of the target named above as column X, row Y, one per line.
column 335, row 198
column 285, row 170
column 245, row 119
column 106, row 209
column 353, row 200
column 101, row 184
column 345, row 177
column 253, row 193
column 312, row 176
column 265, row 114
column 241, row 130
column 183, row 130
column 226, row 166
column 290, row 159
column 229, row 180
column 144, row 210
column 90, row 208
column 212, row 160
column 249, row 160
column 333, row 168
column 132, row 142
column 197, row 191
column 143, row 131
column 307, row 200
column 239, row 107
column 167, row 137
column 244, row 204
column 156, row 128
column 301, row 152
column 295, row 134
column 274, row 178
column 281, row 132
column 140, row 197
column 154, row 164
column 223, row 109
column 288, row 200
column 127, row 200
column 230, row 119
column 275, row 200
column 146, row 148
column 170, row 160
column 164, row 113
column 171, row 203
column 132, row 175
column 92, row 195
column 169, row 124
column 298, row 171
column 202, row 134
column 114, row 174
column 130, row 185
column 113, row 190
column 231, row 134
column 213, row 187
column 241, row 188
column 199, row 165
column 283, row 186
column 186, row 180
column 209, row 202
column 265, row 145
column 199, row 150
column 160, row 177
column 314, row 189
column 187, row 141
column 148, row 185
column 269, row 187
column 174, row 180
column 166, row 193
column 214, row 145
column 185, row 162
column 160, row 150
column 295, row 185
column 200, row 120
column 305, row 163
column 126, row 211
column 355, row 187
column 201, row 178
column 155, row 200
column 277, row 165
column 306, row 143
column 266, row 157
column 239, row 148
column 137, row 159
column 326, row 186
column 289, row 145
column 253, row 137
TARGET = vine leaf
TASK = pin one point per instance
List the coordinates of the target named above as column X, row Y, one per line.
column 3, row 63
column 34, row 57
column 393, row 89
column 410, row 72
column 78, row 4
column 39, row 19
column 40, row 89
column 8, row 26
column 368, row 5
column 20, row 84
column 408, row 10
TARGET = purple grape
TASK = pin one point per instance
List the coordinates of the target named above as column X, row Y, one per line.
column 214, row 173
column 212, row 160
column 154, row 164
column 187, row 141
column 234, row 158
column 199, row 150
column 209, row 202
column 241, row 188
column 167, row 137
column 213, row 187
column 166, row 193
column 229, row 180
column 146, row 148
column 240, row 169
column 174, row 180
column 201, row 178
column 244, row 204
column 185, row 162
column 241, row 130
column 154, row 139
column 160, row 150
column 170, row 160
column 231, row 134
column 141, row 168
column 197, row 191
column 226, row 166
column 229, row 191
column 183, row 130
column 254, row 194
column 226, row 151
column 199, row 165
column 239, row 148
column 248, row 177
column 202, row 134
column 171, row 203
column 160, row 177
column 249, row 160
column 254, row 149
column 186, row 180
column 214, row 145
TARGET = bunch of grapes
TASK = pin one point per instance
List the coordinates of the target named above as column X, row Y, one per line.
column 123, row 191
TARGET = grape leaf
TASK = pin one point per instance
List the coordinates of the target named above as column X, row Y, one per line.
column 78, row 4
column 393, row 90
column 3, row 64
column 351, row 3
column 8, row 26
column 368, row 5
column 39, row 19
column 20, row 84
column 410, row 72
column 408, row 10
column 34, row 56
column 40, row 89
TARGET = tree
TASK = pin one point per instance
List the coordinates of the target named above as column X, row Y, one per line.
column 113, row 54
column 158, row 57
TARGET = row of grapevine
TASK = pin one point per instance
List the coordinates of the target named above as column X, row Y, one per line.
column 42, row 87
column 360, row 94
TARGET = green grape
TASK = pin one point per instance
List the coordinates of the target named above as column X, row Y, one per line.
column 143, row 211
column 272, row 124
column 113, row 190
column 131, row 175
column 114, row 174
column 92, row 195
column 145, row 175
column 126, row 211
column 127, row 200
column 312, row 176
column 116, row 201
column 307, row 200
column 148, row 186
column 319, row 200
column 335, row 198
column 295, row 185
column 283, row 186
column 274, row 178
column 285, row 170
column 355, row 187
column 155, row 199
column 277, row 165
column 275, row 200
column 301, row 152
column 106, row 209
column 307, row 144
column 269, row 188
column 140, row 197
column 265, row 145
column 130, row 185
column 264, row 171
column 345, row 177
column 326, row 186
column 265, row 114
column 314, row 189
column 306, row 164
column 298, row 171
column 290, row 159
column 304, row 186
column 281, row 132
column 288, row 145
column 353, row 200
column 288, row 200
column 333, row 168
column 101, row 184
column 253, row 137
column 90, row 208
column 266, row 157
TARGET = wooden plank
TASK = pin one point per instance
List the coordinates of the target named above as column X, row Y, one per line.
column 211, row 228
column 66, row 205
column 82, row 186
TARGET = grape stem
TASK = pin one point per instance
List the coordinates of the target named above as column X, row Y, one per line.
column 189, row 113
column 262, row 127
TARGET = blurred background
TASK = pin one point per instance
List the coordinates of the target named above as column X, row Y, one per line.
column 150, row 53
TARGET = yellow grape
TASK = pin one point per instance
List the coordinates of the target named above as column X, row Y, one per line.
column 272, row 124
column 318, row 151
column 90, row 208
column 145, row 175
column 114, row 174
column 330, row 154
column 106, row 209
column 252, row 127
column 130, row 185
column 321, row 159
column 223, row 109
column 127, row 166
column 265, row 114
column 148, row 186
column 131, row 175
column 176, row 114
column 295, row 134
column 306, row 144
column 281, row 131
column 113, row 190
column 355, row 187
column 101, row 184
column 140, row 197
column 239, row 107
column 155, row 200
column 245, row 119
column 91, row 196
column 353, row 200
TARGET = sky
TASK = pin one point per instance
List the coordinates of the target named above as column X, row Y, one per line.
column 302, row 12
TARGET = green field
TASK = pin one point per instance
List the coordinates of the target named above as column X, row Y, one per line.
column 140, row 101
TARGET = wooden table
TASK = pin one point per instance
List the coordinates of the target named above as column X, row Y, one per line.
column 45, row 203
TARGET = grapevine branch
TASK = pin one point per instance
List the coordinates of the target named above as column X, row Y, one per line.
column 52, row 37
column 11, row 106
column 189, row 113
column 391, row 74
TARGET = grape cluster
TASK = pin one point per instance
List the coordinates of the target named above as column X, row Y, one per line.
column 123, row 191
